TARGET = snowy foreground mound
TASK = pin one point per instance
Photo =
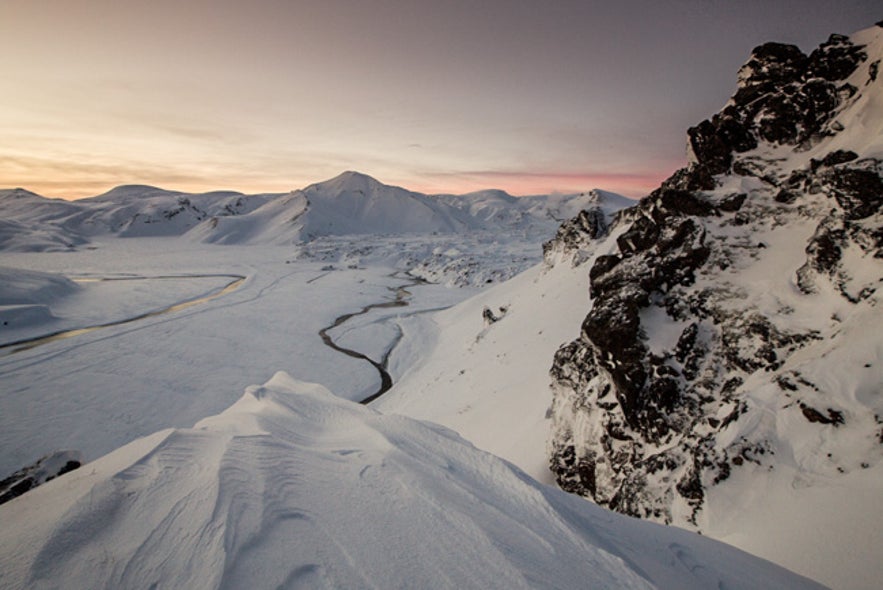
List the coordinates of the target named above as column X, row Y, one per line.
column 293, row 487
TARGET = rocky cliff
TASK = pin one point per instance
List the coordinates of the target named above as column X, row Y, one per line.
column 735, row 323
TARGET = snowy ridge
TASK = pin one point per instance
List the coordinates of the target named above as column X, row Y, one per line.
column 731, row 359
column 352, row 219
column 349, row 204
column 292, row 486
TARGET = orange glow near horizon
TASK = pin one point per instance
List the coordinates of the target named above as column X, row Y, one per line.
column 435, row 97
column 520, row 184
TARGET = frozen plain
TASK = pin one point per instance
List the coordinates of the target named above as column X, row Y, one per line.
column 98, row 391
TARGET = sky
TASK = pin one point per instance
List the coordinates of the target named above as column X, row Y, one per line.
column 435, row 95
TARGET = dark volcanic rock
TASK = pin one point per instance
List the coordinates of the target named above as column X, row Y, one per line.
column 656, row 379
column 770, row 66
column 859, row 192
column 835, row 59
column 45, row 469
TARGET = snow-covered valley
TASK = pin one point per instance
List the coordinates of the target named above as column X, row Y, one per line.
column 110, row 397
column 56, row 393
column 715, row 359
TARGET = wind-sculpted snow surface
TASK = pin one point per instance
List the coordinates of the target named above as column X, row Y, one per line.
column 732, row 358
column 294, row 487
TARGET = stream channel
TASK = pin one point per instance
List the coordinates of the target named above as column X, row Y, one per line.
column 400, row 300
column 29, row 343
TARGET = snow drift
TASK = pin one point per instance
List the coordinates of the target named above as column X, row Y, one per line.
column 294, row 487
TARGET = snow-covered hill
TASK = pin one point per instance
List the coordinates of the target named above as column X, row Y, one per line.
column 728, row 375
column 295, row 487
column 26, row 223
column 352, row 219
column 349, row 204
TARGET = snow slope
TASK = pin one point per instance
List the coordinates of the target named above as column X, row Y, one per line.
column 294, row 487
column 486, row 380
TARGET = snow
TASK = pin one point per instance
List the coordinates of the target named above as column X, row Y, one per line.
column 167, row 370
column 293, row 486
column 491, row 383
column 76, row 302
column 312, row 487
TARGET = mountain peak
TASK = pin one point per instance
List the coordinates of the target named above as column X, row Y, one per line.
column 349, row 181
column 134, row 191
column 354, row 175
column 18, row 193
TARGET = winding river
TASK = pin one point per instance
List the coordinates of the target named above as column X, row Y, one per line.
column 29, row 343
column 400, row 300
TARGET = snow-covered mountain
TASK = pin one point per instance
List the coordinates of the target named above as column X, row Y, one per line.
column 350, row 220
column 727, row 376
column 295, row 487
column 349, row 204
column 745, row 372
column 27, row 223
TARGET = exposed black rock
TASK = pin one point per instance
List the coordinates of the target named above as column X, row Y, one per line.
column 619, row 398
column 834, row 158
column 835, row 59
column 813, row 415
column 859, row 192
column 43, row 470
column 574, row 234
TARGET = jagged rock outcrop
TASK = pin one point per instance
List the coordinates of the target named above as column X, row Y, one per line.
column 45, row 469
column 590, row 224
column 768, row 243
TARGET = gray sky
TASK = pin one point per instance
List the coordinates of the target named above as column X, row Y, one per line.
column 440, row 96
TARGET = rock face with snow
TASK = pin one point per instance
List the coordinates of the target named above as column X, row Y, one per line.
column 735, row 324
column 294, row 487
column 589, row 224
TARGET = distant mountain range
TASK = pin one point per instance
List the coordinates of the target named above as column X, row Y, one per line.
column 349, row 204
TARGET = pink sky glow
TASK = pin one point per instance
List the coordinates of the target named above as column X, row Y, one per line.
column 439, row 97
